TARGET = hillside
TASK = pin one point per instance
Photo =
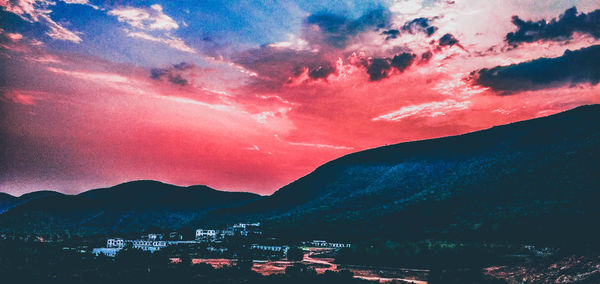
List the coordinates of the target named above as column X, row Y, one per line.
column 8, row 201
column 530, row 181
column 128, row 207
column 535, row 180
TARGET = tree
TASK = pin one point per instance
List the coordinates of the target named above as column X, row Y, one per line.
column 295, row 254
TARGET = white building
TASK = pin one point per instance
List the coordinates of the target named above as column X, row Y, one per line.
column 283, row 249
column 146, row 244
column 151, row 246
column 245, row 229
column 115, row 243
column 325, row 244
column 246, row 225
column 206, row 234
column 213, row 235
column 155, row 237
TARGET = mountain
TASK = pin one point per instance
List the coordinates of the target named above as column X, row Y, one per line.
column 8, row 201
column 128, row 207
column 535, row 180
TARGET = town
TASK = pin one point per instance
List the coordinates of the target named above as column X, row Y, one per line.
column 232, row 241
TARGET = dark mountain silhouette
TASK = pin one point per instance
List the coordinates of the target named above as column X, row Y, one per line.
column 8, row 201
column 127, row 207
column 535, row 180
column 531, row 181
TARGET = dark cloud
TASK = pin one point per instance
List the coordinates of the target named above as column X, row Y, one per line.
column 171, row 73
column 183, row 66
column 579, row 66
column 557, row 29
column 157, row 73
column 426, row 56
column 178, row 80
column 448, row 40
column 414, row 26
column 321, row 71
column 403, row 61
column 380, row 68
column 419, row 25
column 275, row 66
column 337, row 30
column 391, row 34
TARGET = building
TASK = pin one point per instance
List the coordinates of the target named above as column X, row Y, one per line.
column 325, row 244
column 246, row 229
column 240, row 229
column 151, row 243
column 213, row 235
column 206, row 234
column 272, row 248
column 147, row 245
column 115, row 243
column 154, row 237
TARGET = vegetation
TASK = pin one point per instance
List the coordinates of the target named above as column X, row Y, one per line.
column 431, row 254
column 295, row 254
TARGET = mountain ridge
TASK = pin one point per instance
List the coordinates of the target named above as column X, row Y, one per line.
column 517, row 159
column 129, row 206
column 537, row 174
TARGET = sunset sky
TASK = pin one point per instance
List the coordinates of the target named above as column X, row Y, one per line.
column 251, row 95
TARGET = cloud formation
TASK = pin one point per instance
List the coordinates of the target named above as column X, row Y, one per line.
column 380, row 68
column 448, row 40
column 172, row 74
column 145, row 19
column 173, row 42
column 420, row 25
column 337, row 30
column 559, row 29
column 38, row 11
column 573, row 67
column 151, row 24
column 431, row 109
column 321, row 71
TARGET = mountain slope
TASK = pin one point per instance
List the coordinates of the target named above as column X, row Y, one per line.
column 531, row 181
column 128, row 207
column 8, row 201
column 509, row 183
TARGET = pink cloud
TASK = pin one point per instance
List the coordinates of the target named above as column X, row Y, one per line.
column 431, row 109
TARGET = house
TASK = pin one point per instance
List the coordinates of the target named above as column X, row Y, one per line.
column 213, row 235
column 273, row 248
column 206, row 234
column 154, row 237
column 152, row 243
column 115, row 243
column 246, row 229
column 325, row 244
column 147, row 245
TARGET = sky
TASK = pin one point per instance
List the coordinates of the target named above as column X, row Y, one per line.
column 251, row 95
